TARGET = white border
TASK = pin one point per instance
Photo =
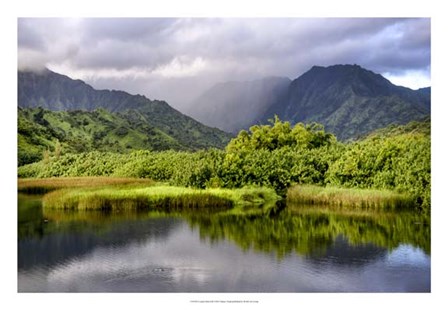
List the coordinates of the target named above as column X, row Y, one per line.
column 230, row 8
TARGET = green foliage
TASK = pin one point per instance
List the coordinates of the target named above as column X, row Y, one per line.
column 280, row 134
column 354, row 198
column 136, row 121
column 162, row 198
column 275, row 156
column 82, row 131
column 401, row 162
column 422, row 127
column 42, row 186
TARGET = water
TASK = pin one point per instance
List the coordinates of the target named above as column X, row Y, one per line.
column 299, row 250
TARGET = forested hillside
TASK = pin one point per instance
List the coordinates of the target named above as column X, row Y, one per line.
column 158, row 124
column 41, row 131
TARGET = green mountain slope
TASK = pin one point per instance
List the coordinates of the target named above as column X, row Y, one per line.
column 422, row 127
column 349, row 101
column 41, row 130
column 56, row 92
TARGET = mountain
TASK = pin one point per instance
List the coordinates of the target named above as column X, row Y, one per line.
column 232, row 106
column 56, row 92
column 348, row 100
column 422, row 127
column 82, row 131
column 426, row 93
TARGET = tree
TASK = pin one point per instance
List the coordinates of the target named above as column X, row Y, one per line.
column 280, row 134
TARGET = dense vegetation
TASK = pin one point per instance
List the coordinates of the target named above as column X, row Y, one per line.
column 132, row 121
column 277, row 156
column 42, row 130
column 42, row 186
column 349, row 197
column 125, row 135
column 162, row 198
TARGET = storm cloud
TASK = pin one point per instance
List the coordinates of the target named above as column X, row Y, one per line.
column 177, row 59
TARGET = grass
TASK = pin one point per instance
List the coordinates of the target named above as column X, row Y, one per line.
column 357, row 198
column 159, row 198
column 42, row 186
column 109, row 193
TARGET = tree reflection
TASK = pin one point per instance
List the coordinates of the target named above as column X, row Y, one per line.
column 311, row 231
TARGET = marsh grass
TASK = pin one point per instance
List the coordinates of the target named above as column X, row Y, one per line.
column 159, row 198
column 42, row 186
column 342, row 197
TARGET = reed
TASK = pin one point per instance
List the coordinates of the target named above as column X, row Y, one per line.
column 159, row 198
column 343, row 197
column 42, row 186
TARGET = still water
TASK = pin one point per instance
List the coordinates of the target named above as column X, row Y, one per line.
column 298, row 250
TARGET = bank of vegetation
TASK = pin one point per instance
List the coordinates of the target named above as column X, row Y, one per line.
column 161, row 198
column 42, row 186
column 349, row 197
column 395, row 160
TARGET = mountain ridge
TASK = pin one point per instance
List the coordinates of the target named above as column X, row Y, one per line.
column 56, row 92
column 348, row 100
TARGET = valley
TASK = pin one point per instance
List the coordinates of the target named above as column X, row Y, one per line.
column 332, row 168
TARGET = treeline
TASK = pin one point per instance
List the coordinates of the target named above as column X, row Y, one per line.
column 276, row 155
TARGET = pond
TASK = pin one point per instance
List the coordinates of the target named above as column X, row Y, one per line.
column 300, row 249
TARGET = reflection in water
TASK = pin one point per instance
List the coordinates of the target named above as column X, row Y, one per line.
column 311, row 231
column 74, row 240
column 295, row 251
column 342, row 253
column 46, row 238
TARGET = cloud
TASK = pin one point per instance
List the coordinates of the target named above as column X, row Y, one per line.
column 159, row 56
column 181, row 67
column 42, row 41
column 410, row 78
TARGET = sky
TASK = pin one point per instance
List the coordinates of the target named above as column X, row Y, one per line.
column 177, row 59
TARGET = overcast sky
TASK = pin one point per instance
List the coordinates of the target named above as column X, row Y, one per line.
column 177, row 59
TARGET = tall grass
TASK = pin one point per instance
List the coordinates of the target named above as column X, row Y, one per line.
column 353, row 197
column 42, row 186
column 163, row 198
